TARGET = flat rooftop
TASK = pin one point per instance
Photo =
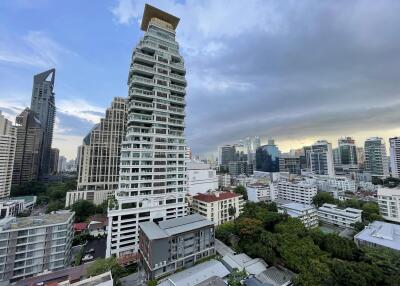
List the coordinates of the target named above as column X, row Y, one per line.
column 153, row 12
column 381, row 233
column 13, row 223
column 175, row 226
column 333, row 209
column 297, row 207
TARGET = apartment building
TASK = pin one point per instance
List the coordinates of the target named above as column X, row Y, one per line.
column 331, row 214
column 200, row 178
column 389, row 203
column 174, row 244
column 395, row 156
column 99, row 157
column 218, row 207
column 296, row 191
column 379, row 234
column 152, row 182
column 376, row 161
column 306, row 213
column 259, row 193
column 11, row 208
column 31, row 245
column 8, row 139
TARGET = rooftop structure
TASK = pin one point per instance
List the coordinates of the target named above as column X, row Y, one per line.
column 242, row 261
column 331, row 214
column 306, row 213
column 379, row 234
column 151, row 12
column 197, row 274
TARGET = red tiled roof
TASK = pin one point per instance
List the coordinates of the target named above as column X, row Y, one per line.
column 80, row 226
column 209, row 198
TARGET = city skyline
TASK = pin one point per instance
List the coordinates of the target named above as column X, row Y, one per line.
column 244, row 89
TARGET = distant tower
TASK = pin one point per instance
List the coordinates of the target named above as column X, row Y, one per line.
column 43, row 105
column 321, row 158
column 28, row 148
column 376, row 161
column 395, row 156
column 7, row 153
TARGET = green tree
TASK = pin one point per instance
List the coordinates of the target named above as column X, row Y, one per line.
column 224, row 231
column 322, row 198
column 231, row 211
column 235, row 277
column 103, row 265
column 152, row 282
column 241, row 191
column 83, row 209
column 371, row 212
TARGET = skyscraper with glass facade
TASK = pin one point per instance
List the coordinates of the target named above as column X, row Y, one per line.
column 267, row 157
column 152, row 181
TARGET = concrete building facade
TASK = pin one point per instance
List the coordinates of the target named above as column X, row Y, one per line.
column 8, row 139
column 389, row 203
column 31, row 245
column 218, row 207
column 201, row 178
column 99, row 157
column 296, row 191
column 395, row 156
column 152, row 182
column 331, row 214
column 376, row 162
column 175, row 244
column 306, row 213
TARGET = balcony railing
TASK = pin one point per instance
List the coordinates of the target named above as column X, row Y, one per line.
column 142, row 80
column 177, row 87
column 176, row 98
column 143, row 56
column 143, row 68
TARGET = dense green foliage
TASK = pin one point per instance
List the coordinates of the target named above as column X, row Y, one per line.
column 317, row 258
column 235, row 277
column 51, row 194
column 84, row 209
column 103, row 265
column 241, row 191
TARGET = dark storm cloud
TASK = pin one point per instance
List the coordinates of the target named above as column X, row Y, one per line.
column 329, row 68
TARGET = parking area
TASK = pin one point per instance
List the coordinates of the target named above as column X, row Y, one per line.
column 94, row 249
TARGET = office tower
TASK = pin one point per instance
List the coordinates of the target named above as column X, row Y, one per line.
column 360, row 157
column 290, row 162
column 267, row 157
column 54, row 155
column 28, row 148
column 336, row 157
column 99, row 158
column 152, row 182
column 226, row 154
column 250, row 145
column 35, row 244
column 376, row 162
column 347, row 153
column 8, row 138
column 62, row 164
column 305, row 158
column 240, row 167
column 395, row 156
column 43, row 105
column 321, row 158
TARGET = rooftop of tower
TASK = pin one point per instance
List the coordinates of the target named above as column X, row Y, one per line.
column 153, row 12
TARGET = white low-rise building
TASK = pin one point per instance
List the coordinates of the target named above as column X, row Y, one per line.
column 331, row 214
column 201, row 178
column 215, row 206
column 9, row 208
column 306, row 213
column 379, row 234
column 31, row 245
column 389, row 203
column 296, row 191
column 259, row 193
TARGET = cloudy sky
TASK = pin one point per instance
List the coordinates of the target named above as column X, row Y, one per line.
column 296, row 71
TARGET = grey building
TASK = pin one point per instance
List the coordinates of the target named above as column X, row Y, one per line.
column 55, row 154
column 31, row 245
column 290, row 163
column 376, row 161
column 28, row 148
column 226, row 154
column 240, row 167
column 175, row 244
column 43, row 104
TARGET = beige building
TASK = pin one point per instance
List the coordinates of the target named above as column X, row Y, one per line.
column 7, row 153
column 389, row 203
column 99, row 156
column 215, row 206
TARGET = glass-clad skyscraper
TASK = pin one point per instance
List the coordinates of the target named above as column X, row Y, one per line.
column 152, row 182
column 267, row 157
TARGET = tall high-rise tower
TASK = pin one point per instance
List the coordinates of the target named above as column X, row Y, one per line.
column 321, row 158
column 43, row 105
column 7, row 152
column 99, row 156
column 395, row 156
column 376, row 161
column 28, row 148
column 152, row 181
